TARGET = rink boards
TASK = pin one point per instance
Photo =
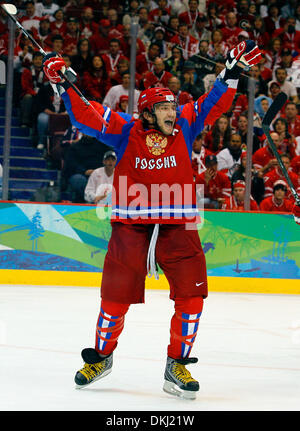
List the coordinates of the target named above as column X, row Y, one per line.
column 65, row 245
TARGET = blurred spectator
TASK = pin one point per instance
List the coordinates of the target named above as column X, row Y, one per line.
column 58, row 26
column 172, row 27
column 43, row 34
column 265, row 72
column 182, row 97
column 46, row 8
column 210, row 78
column 81, row 159
column 133, row 11
column 275, row 174
column 288, row 143
column 144, row 61
column 278, row 201
column 82, row 61
column 230, row 30
column 293, row 119
column 199, row 154
column 95, row 81
column 46, row 103
column 289, row 36
column 229, row 158
column 126, row 43
column 244, row 17
column 257, row 182
column 113, row 56
column 87, row 24
column 145, row 30
column 217, row 185
column 116, row 26
column 122, row 105
column 274, row 90
column 200, row 32
column 258, row 33
column 261, row 105
column 175, row 63
column 113, row 95
column 190, row 16
column 263, row 159
column 57, row 45
column 214, row 20
column 273, row 20
column 219, row 136
column 289, row 9
column 72, row 36
column 286, row 61
column 159, row 38
column 188, row 43
column 190, row 81
column 287, row 87
column 32, row 80
column 273, row 53
column 100, row 40
column 218, row 48
column 242, row 130
column 100, row 182
column 158, row 77
column 160, row 14
column 31, row 19
column 237, row 199
column 295, row 164
column 204, row 63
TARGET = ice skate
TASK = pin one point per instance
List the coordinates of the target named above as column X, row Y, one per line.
column 95, row 367
column 178, row 380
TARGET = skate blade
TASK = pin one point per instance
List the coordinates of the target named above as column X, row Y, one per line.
column 94, row 380
column 172, row 389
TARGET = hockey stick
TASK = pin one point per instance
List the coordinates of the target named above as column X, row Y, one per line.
column 11, row 10
column 277, row 104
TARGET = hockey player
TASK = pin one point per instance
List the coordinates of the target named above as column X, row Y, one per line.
column 148, row 224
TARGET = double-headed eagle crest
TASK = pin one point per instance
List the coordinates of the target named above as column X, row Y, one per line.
column 156, row 144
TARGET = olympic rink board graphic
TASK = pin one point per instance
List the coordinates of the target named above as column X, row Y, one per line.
column 60, row 237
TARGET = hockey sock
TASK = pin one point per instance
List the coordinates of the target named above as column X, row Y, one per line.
column 184, row 326
column 110, row 324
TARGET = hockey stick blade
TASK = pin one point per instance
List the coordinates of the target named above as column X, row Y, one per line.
column 277, row 104
column 9, row 8
column 267, row 120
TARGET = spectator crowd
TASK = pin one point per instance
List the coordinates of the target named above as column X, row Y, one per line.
column 181, row 45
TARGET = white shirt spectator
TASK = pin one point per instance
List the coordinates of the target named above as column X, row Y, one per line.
column 226, row 161
column 113, row 96
column 46, row 9
column 98, row 184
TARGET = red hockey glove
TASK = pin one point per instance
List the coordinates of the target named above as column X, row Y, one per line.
column 246, row 53
column 52, row 65
column 296, row 212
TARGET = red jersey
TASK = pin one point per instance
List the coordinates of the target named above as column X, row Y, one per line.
column 262, row 156
column 232, row 204
column 269, row 205
column 217, row 187
column 153, row 178
column 295, row 165
column 152, row 80
column 198, row 160
column 111, row 63
column 275, row 175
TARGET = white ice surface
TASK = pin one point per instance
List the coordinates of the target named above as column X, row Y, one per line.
column 248, row 347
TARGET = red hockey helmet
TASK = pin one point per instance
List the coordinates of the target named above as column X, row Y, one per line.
column 149, row 97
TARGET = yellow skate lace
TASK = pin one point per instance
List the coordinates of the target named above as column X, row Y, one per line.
column 90, row 371
column 182, row 374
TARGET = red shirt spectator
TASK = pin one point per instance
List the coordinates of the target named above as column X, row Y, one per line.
column 278, row 202
column 161, row 14
column 188, row 43
column 237, row 200
column 292, row 118
column 271, row 205
column 295, row 165
column 158, row 77
column 275, row 174
column 112, row 58
column 59, row 26
column 264, row 157
column 100, row 41
column 144, row 62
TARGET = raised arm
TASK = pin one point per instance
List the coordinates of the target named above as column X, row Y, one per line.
column 210, row 106
column 90, row 118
